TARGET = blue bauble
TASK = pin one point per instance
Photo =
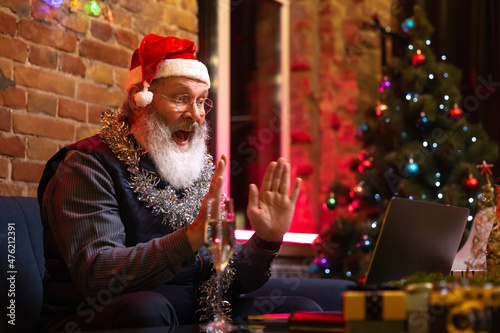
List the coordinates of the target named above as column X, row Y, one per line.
column 422, row 123
column 408, row 24
column 411, row 169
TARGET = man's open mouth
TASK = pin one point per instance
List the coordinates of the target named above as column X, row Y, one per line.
column 181, row 137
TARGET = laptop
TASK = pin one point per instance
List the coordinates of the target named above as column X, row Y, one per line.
column 416, row 236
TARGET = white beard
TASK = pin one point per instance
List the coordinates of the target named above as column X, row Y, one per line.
column 180, row 166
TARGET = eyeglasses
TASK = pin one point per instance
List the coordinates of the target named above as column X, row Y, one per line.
column 184, row 102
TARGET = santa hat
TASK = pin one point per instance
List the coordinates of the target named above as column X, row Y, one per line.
column 159, row 57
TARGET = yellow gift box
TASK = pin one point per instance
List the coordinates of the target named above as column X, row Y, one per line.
column 374, row 305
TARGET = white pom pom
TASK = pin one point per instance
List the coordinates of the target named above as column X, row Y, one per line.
column 144, row 97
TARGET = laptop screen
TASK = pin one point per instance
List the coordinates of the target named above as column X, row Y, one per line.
column 416, row 236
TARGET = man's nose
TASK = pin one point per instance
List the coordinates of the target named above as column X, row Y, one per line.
column 194, row 113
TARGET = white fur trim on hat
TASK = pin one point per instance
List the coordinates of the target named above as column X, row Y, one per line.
column 190, row 68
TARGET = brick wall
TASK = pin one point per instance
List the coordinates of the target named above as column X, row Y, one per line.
column 61, row 68
column 335, row 69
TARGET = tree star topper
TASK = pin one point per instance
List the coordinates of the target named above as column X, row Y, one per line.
column 485, row 168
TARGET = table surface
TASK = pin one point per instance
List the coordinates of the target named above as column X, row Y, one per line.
column 180, row 329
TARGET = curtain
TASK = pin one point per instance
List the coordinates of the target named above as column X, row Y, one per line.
column 468, row 33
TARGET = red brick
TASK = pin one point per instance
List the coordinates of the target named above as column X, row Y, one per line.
column 27, row 171
column 42, row 34
column 101, row 73
column 12, row 145
column 40, row 102
column 144, row 25
column 168, row 31
column 13, row 97
column 133, row 6
column 109, row 54
column 8, row 23
column 127, row 38
column 121, row 77
column 12, row 189
column 78, row 23
column 155, row 13
column 22, row 7
column 41, row 149
column 5, row 120
column 4, row 168
column 190, row 5
column 72, row 65
column 100, row 30
column 42, row 126
column 122, row 18
column 86, row 131
column 33, row 190
column 42, row 56
column 14, row 49
column 69, row 108
column 186, row 20
column 100, row 94
column 39, row 79
column 6, row 68
column 95, row 113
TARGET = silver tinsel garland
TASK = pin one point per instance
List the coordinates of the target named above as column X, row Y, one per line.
column 178, row 211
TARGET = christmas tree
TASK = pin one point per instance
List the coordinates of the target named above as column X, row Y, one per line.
column 416, row 143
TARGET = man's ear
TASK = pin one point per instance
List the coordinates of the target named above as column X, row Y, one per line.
column 131, row 100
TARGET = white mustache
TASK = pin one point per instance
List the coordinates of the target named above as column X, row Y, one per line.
column 184, row 125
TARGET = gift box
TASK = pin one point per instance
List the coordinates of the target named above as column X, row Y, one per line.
column 313, row 321
column 374, row 305
column 375, row 311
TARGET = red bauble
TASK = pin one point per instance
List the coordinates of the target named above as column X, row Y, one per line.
column 364, row 165
column 418, row 58
column 456, row 112
column 471, row 184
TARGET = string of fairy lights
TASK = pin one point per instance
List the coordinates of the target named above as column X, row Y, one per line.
column 89, row 7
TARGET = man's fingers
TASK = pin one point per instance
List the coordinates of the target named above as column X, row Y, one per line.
column 215, row 189
column 253, row 197
column 278, row 172
column 296, row 190
column 221, row 166
column 285, row 179
column 267, row 182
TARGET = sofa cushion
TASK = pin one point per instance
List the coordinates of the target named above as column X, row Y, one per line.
column 21, row 236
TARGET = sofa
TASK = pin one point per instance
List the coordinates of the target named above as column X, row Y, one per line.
column 22, row 264
column 22, row 282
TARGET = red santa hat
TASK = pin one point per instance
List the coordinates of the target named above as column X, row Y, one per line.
column 159, row 57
